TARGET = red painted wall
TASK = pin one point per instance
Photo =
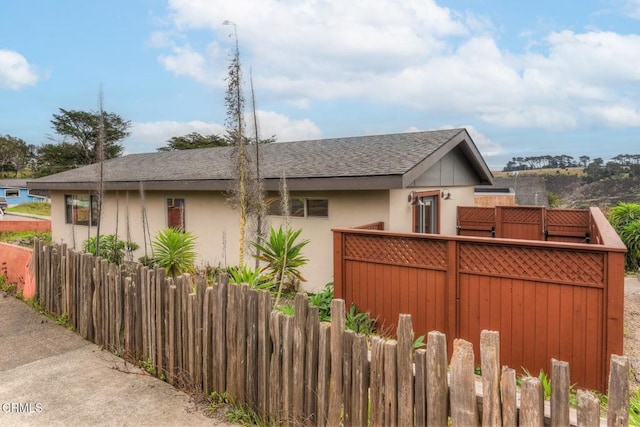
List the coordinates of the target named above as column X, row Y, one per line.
column 37, row 226
column 14, row 264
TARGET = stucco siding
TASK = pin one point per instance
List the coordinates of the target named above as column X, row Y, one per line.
column 216, row 225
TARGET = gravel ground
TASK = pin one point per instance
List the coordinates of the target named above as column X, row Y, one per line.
column 632, row 329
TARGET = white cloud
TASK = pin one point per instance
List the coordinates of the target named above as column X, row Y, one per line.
column 286, row 129
column 15, row 71
column 484, row 144
column 413, row 54
column 148, row 137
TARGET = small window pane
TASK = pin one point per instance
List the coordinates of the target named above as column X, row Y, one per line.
column 318, row 208
column 273, row 207
column 297, row 208
column 12, row 193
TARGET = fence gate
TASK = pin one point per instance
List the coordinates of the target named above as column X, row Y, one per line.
column 520, row 222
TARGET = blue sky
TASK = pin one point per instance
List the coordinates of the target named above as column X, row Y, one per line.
column 526, row 78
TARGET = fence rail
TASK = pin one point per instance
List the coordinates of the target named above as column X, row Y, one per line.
column 297, row 370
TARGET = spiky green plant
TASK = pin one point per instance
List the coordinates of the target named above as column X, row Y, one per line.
column 174, row 250
column 282, row 257
column 251, row 276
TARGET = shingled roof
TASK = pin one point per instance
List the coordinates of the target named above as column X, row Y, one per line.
column 364, row 162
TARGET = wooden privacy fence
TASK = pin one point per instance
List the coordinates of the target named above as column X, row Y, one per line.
column 525, row 222
column 548, row 299
column 297, row 370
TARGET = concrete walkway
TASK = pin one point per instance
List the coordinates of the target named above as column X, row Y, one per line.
column 50, row 376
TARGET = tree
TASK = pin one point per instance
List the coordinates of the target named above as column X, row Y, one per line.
column 81, row 129
column 194, row 140
column 54, row 158
column 15, row 154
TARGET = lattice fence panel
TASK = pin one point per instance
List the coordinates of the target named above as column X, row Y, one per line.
column 522, row 215
column 533, row 263
column 422, row 252
column 572, row 218
column 475, row 214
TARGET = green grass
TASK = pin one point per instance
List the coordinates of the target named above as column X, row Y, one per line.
column 25, row 238
column 34, row 208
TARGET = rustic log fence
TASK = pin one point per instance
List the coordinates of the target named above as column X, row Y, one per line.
column 297, row 370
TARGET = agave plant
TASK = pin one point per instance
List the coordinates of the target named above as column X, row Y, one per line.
column 282, row 256
column 174, row 250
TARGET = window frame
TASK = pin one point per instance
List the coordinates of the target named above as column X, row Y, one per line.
column 435, row 196
column 182, row 208
column 274, row 209
column 7, row 192
column 71, row 210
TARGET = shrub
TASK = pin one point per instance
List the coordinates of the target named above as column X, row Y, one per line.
column 625, row 219
column 174, row 250
column 322, row 300
column 359, row 322
column 111, row 248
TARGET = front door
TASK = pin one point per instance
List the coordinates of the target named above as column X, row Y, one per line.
column 425, row 213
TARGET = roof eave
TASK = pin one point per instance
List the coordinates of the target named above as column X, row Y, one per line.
column 381, row 182
column 462, row 139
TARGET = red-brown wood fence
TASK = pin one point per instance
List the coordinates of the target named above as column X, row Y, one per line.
column 525, row 222
column 296, row 370
column 547, row 299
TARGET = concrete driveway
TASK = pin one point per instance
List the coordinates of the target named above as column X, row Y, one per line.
column 50, row 376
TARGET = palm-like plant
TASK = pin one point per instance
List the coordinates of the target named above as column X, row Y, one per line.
column 622, row 214
column 282, row 256
column 625, row 219
column 174, row 250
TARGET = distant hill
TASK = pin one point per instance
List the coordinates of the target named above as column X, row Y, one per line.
column 575, row 193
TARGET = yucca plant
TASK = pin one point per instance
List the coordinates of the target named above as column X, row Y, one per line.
column 282, row 256
column 174, row 250
column 252, row 277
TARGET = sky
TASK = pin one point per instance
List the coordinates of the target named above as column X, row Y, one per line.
column 525, row 78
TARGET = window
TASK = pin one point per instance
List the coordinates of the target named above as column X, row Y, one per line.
column 318, row 208
column 300, row 208
column 81, row 209
column 425, row 212
column 13, row 192
column 175, row 213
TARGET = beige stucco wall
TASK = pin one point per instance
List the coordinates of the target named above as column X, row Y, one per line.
column 216, row 226
column 400, row 215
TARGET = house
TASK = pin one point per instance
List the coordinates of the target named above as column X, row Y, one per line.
column 16, row 192
column 413, row 182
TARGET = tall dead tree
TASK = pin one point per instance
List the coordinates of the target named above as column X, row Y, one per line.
column 100, row 157
column 259, row 207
